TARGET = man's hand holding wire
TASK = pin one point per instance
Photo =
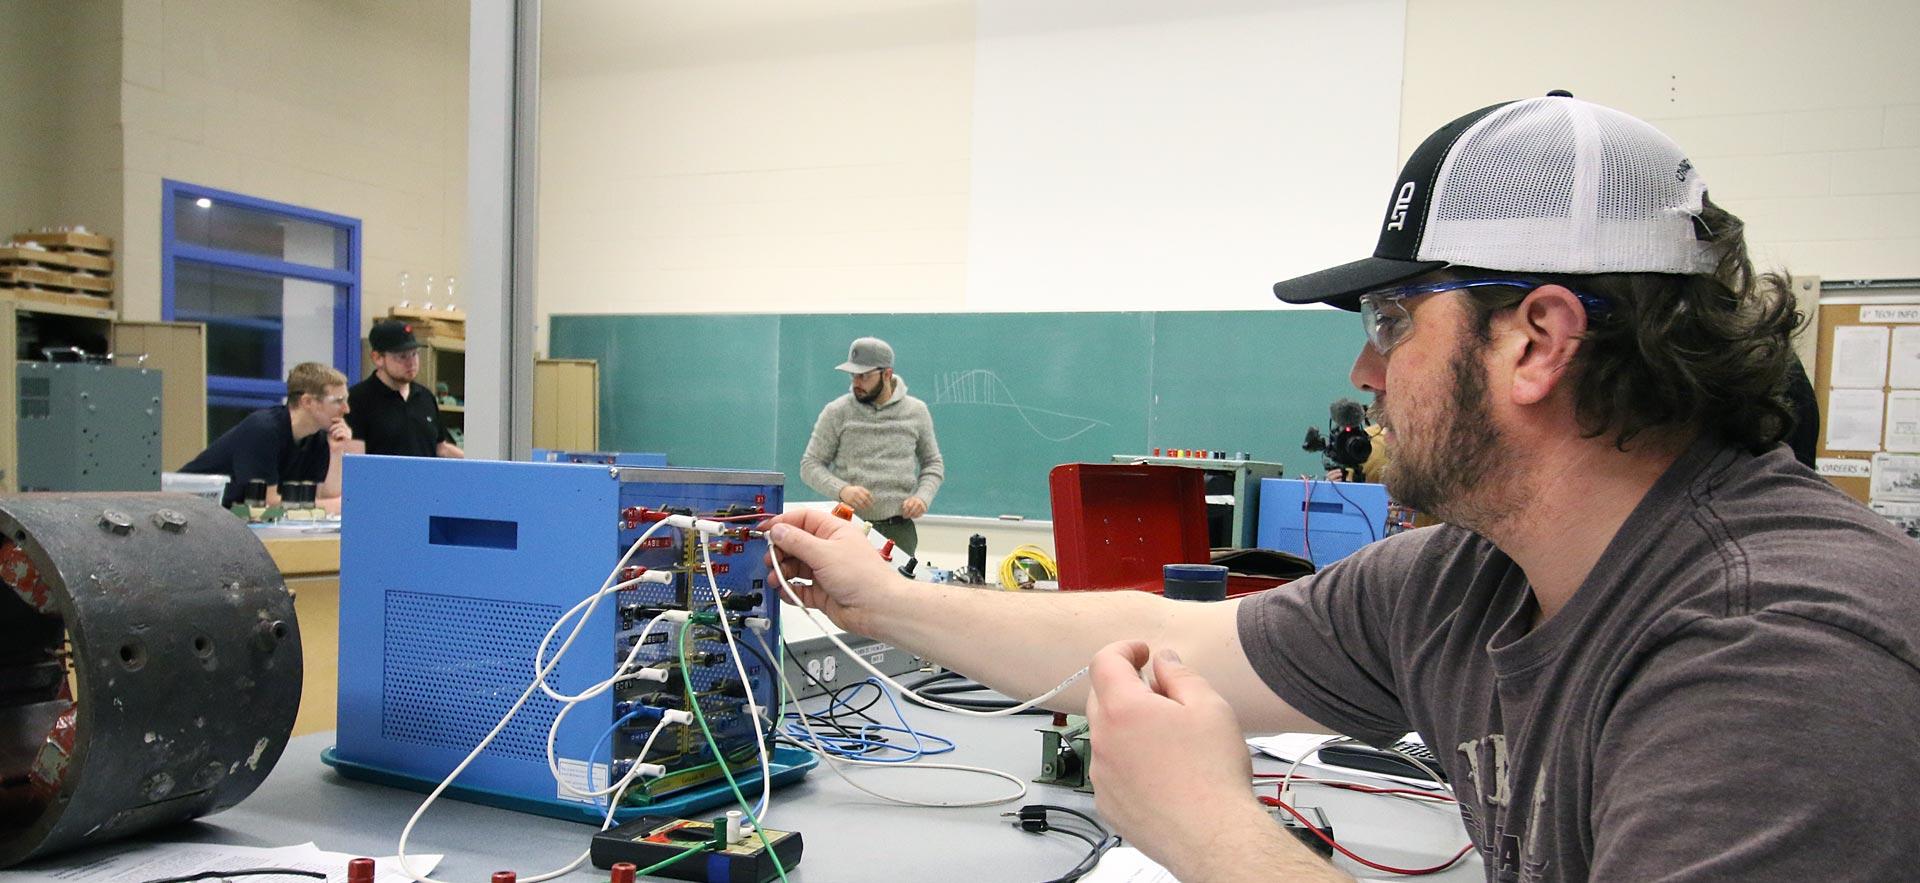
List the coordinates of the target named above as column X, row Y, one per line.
column 1170, row 770
column 848, row 576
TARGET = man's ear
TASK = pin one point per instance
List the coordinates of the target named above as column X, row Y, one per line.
column 1551, row 321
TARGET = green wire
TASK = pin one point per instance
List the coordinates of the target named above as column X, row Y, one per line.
column 693, row 701
column 658, row 865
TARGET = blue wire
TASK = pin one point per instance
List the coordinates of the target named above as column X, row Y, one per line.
column 604, row 738
column 872, row 738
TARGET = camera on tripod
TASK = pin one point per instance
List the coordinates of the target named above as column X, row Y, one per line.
column 1345, row 444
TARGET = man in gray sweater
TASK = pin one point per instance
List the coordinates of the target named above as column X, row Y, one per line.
column 873, row 448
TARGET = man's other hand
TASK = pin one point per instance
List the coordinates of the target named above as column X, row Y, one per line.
column 913, row 507
column 1168, row 759
column 856, row 496
column 449, row 449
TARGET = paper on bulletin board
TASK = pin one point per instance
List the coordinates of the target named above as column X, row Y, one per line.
column 1853, row 419
column 1903, row 421
column 1859, row 358
column 1903, row 368
column 1844, row 467
column 1905, row 516
column 1896, row 478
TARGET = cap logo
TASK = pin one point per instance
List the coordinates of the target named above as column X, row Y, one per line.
column 1401, row 201
column 1680, row 173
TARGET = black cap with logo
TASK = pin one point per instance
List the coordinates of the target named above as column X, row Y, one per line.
column 391, row 336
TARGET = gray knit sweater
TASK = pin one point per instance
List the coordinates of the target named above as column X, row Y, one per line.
column 887, row 448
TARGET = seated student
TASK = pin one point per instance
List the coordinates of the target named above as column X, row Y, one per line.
column 286, row 442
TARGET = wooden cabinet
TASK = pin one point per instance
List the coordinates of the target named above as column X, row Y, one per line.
column 178, row 350
column 566, row 404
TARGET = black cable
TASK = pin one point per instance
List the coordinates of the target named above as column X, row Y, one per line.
column 244, row 872
column 934, row 678
column 933, row 685
column 1032, row 818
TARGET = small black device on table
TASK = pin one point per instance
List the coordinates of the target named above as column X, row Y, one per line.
column 649, row 840
column 1374, row 760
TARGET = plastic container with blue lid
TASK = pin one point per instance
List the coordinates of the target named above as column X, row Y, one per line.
column 1194, row 582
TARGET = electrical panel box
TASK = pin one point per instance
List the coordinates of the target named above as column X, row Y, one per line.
column 453, row 573
column 812, row 656
column 1336, row 520
column 88, row 427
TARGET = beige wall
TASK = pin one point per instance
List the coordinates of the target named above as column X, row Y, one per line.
column 1803, row 117
column 725, row 156
column 826, row 155
column 356, row 107
column 59, row 146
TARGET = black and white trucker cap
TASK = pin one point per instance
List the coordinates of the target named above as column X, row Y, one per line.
column 1542, row 185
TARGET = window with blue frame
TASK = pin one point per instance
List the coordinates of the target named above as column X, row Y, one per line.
column 276, row 285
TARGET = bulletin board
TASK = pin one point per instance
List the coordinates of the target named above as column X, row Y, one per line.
column 1868, row 383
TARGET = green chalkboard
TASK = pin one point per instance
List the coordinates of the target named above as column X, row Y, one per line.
column 1012, row 394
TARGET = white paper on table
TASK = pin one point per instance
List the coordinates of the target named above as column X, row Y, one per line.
column 157, row 860
column 1903, row 421
column 1124, row 864
column 1903, row 367
column 1859, row 357
column 1896, row 478
column 1853, row 419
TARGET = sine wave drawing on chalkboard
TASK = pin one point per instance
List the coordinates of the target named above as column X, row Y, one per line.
column 981, row 386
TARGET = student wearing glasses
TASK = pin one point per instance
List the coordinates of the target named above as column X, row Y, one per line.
column 301, row 440
column 873, row 448
column 393, row 414
column 1646, row 644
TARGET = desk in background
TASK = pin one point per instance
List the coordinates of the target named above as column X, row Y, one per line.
column 310, row 562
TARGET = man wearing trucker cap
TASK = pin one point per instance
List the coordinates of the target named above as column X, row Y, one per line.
column 1646, row 645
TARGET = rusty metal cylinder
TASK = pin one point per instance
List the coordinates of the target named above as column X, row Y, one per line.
column 149, row 666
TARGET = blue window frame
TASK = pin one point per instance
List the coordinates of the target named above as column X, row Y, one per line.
column 276, row 285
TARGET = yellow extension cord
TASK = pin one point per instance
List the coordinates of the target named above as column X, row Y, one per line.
column 1030, row 554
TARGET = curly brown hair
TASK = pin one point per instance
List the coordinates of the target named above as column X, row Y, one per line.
column 1703, row 352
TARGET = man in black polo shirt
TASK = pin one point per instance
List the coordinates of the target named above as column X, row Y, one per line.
column 286, row 442
column 390, row 412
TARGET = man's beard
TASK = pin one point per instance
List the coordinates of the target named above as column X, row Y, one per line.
column 1447, row 475
column 870, row 396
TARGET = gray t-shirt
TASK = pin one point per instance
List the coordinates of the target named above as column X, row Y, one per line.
column 1733, row 693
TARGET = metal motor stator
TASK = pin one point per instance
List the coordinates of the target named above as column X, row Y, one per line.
column 149, row 666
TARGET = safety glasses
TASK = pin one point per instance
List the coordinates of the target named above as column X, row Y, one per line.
column 1387, row 320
